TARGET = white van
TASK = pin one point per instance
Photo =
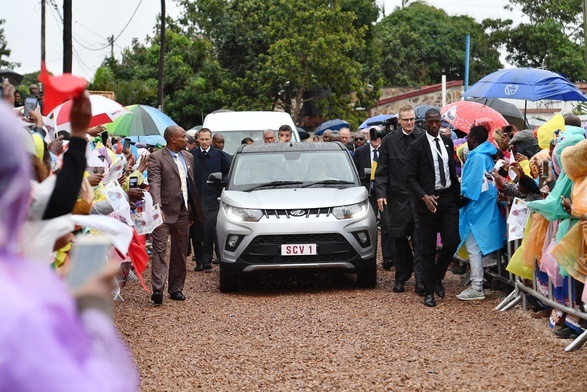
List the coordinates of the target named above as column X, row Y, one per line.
column 235, row 126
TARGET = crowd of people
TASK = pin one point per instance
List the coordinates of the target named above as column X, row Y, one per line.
column 437, row 197
column 443, row 200
column 43, row 321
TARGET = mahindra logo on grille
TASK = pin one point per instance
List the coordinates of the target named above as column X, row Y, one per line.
column 297, row 212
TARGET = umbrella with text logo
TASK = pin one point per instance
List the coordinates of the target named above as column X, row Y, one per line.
column 104, row 110
column 528, row 84
column 142, row 120
column 463, row 115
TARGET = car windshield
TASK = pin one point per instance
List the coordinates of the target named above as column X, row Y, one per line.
column 292, row 169
column 233, row 139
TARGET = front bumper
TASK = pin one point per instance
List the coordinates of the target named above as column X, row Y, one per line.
column 259, row 245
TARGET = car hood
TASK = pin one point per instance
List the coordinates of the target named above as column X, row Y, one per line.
column 288, row 198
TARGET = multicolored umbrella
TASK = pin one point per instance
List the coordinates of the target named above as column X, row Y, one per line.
column 141, row 121
column 104, row 111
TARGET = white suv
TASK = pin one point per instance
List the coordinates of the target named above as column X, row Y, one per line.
column 293, row 206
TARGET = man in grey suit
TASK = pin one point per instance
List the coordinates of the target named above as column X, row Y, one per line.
column 172, row 186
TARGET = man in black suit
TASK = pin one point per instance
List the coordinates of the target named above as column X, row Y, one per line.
column 364, row 157
column 393, row 195
column 431, row 178
column 207, row 160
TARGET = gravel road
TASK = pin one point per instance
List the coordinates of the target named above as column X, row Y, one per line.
column 319, row 332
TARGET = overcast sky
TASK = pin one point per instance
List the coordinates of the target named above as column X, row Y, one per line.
column 95, row 20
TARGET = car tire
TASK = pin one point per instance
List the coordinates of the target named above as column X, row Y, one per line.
column 228, row 282
column 367, row 276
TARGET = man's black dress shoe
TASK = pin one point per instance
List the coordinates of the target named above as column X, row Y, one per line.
column 439, row 289
column 177, row 296
column 216, row 261
column 387, row 265
column 157, row 297
column 199, row 267
column 419, row 289
column 429, row 300
column 207, row 266
column 398, row 287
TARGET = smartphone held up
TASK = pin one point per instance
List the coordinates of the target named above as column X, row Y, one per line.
column 30, row 104
column 89, row 257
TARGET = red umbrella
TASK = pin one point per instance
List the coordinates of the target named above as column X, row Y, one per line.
column 104, row 111
column 465, row 114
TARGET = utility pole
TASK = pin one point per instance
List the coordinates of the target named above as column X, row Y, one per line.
column 42, row 31
column 111, row 42
column 162, row 58
column 67, row 40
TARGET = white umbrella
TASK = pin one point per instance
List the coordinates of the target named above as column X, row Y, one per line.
column 104, row 110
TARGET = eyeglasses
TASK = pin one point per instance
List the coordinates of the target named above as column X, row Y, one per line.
column 411, row 119
column 359, row 138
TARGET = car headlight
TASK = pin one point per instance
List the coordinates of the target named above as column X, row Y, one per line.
column 242, row 214
column 352, row 211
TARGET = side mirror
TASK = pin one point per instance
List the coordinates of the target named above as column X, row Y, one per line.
column 366, row 175
column 215, row 179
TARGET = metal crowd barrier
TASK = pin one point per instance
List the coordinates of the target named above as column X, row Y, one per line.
column 521, row 293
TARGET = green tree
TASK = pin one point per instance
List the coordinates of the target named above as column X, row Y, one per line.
column 4, row 51
column 421, row 43
column 287, row 53
column 553, row 39
column 192, row 79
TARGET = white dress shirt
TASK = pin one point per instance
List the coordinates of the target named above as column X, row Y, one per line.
column 444, row 154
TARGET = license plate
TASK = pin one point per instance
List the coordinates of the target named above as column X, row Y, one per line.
column 298, row 249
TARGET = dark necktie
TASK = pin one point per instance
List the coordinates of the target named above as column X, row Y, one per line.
column 204, row 154
column 440, row 164
column 376, row 154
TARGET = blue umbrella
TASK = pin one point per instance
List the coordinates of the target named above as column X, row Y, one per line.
column 335, row 125
column 529, row 84
column 376, row 120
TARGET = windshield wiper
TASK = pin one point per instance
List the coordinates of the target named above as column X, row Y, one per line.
column 274, row 184
column 329, row 182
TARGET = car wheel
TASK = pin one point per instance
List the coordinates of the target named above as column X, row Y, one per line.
column 228, row 282
column 367, row 276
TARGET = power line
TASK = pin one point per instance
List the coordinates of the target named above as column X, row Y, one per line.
column 90, row 30
column 83, row 65
column 127, row 23
column 56, row 8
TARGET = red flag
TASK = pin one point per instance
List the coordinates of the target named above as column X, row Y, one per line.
column 138, row 255
column 58, row 89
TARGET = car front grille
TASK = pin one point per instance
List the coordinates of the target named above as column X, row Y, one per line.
column 267, row 249
column 298, row 213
